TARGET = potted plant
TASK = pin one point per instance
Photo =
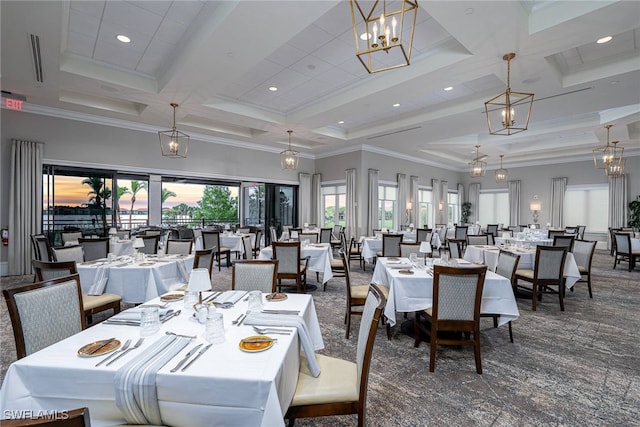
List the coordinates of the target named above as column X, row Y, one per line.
column 634, row 218
column 466, row 212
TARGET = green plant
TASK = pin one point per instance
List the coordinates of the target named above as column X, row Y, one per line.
column 634, row 218
column 466, row 212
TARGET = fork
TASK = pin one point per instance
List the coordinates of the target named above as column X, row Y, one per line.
column 125, row 346
column 272, row 331
column 138, row 344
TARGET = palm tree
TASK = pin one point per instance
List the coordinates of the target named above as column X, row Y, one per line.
column 135, row 187
column 166, row 194
column 98, row 196
column 121, row 192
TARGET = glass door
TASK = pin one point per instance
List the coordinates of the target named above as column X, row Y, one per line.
column 281, row 203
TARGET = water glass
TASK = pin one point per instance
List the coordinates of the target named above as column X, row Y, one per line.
column 190, row 299
column 412, row 258
column 149, row 321
column 255, row 301
column 111, row 257
column 214, row 328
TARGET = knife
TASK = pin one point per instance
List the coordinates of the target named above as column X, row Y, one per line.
column 296, row 312
column 200, row 353
column 101, row 346
column 170, row 316
column 258, row 340
column 186, row 357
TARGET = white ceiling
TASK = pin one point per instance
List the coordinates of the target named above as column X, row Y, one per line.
column 217, row 59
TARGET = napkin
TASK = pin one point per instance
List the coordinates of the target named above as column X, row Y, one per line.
column 99, row 281
column 230, row 296
column 290, row 321
column 134, row 314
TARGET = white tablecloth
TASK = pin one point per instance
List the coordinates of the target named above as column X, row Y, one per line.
column 635, row 244
column 224, row 387
column 138, row 282
column 530, row 242
column 371, row 245
column 233, row 242
column 408, row 293
column 320, row 256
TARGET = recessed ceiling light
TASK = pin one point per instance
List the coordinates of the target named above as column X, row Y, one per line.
column 604, row 39
column 448, row 88
column 273, row 88
column 469, row 11
column 365, row 36
column 341, row 122
column 396, row 105
column 123, row 38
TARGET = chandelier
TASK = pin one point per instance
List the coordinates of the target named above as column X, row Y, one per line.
column 608, row 155
column 383, row 37
column 477, row 168
column 615, row 166
column 503, row 109
column 174, row 143
column 289, row 158
column 501, row 174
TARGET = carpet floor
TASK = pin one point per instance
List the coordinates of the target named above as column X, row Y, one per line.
column 580, row 367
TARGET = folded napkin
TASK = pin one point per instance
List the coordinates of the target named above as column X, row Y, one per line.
column 99, row 281
column 298, row 322
column 135, row 382
column 134, row 314
column 230, row 296
column 183, row 270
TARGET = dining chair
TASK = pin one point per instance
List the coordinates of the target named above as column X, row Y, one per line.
column 336, row 238
column 70, row 237
column 94, row 248
column 32, row 308
column 204, row 259
column 548, row 271
column 178, row 246
column 407, row 249
column 91, row 304
column 211, row 239
column 390, row 245
column 564, row 242
column 294, row 233
column 150, row 244
column 41, row 247
column 506, row 267
column 461, row 232
column 290, row 264
column 325, row 235
column 478, row 239
column 123, row 234
column 583, row 251
column 457, row 294
column 341, row 388
column 571, row 230
column 247, row 249
column 78, row 417
column 552, row 233
column 455, row 248
column 624, row 251
column 492, row 229
column 311, row 237
column 243, row 231
column 251, row 275
column 355, row 253
column 442, row 234
column 423, row 235
column 581, row 230
column 273, row 234
column 68, row 253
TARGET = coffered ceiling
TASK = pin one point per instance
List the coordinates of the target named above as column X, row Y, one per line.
column 218, row 59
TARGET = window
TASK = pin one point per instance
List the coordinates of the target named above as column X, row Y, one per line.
column 387, row 207
column 425, row 211
column 494, row 207
column 334, row 198
column 132, row 204
column 196, row 202
column 454, row 212
column 587, row 205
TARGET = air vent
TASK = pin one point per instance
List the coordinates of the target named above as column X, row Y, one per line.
column 393, row 133
column 37, row 59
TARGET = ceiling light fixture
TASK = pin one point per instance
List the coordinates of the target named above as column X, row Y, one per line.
column 502, row 174
column 289, row 158
column 477, row 168
column 616, row 165
column 504, row 108
column 602, row 156
column 174, row 143
column 448, row 88
column 604, row 39
column 122, row 38
column 273, row 88
column 383, row 37
column 396, row 105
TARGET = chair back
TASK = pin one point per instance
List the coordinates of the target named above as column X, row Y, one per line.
column 506, row 232
column 373, row 306
column 256, row 241
column 45, row 270
column 552, row 233
column 273, row 234
column 68, row 253
column 123, row 234
column 391, row 244
column 211, row 239
column 247, row 248
column 571, row 230
column 409, row 248
column 94, row 248
column 325, row 235
column 507, row 265
column 581, row 229
column 583, row 251
column 457, row 293
column 442, row 234
column 564, row 242
column 70, row 237
column 294, row 233
column 150, row 244
column 288, row 256
column 491, row 239
column 42, row 247
column 461, row 232
column 478, row 239
column 251, row 275
column 311, row 237
column 623, row 243
column 455, row 248
column 179, row 246
column 492, row 229
column 423, row 235
column 204, row 259
column 337, row 229
column 32, row 308
column 243, row 230
column 549, row 263
column 515, row 228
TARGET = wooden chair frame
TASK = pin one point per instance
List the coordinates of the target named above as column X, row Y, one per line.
column 274, row 279
column 544, row 284
column 300, row 276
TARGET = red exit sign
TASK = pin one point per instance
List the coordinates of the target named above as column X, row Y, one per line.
column 13, row 104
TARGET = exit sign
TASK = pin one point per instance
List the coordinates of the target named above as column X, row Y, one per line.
column 13, row 104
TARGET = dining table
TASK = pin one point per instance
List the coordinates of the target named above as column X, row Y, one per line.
column 320, row 256
column 233, row 241
column 227, row 385
column 135, row 281
column 372, row 245
column 411, row 289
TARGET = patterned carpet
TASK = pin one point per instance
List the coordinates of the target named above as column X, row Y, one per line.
column 580, row 367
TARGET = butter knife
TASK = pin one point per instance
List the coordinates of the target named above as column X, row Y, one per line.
column 186, row 357
column 200, row 353
column 258, row 340
column 101, row 346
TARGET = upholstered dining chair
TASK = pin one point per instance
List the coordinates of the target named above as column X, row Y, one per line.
column 407, row 249
column 41, row 247
column 492, row 229
column 354, row 253
column 311, row 237
column 91, row 304
column 390, row 245
column 506, row 267
column 548, row 271
column 123, row 234
column 461, row 232
column 583, row 251
column 70, row 237
column 150, row 244
column 94, row 248
column 457, row 294
column 68, row 253
column 178, row 246
column 273, row 234
column 325, row 235
column 478, row 239
column 247, row 249
column 32, row 308
column 72, row 418
column 564, row 242
column 552, row 233
column 455, row 248
column 290, row 264
column 624, row 251
column 336, row 238
column 255, row 246
column 211, row 239
column 341, row 388
column 250, row 275
column 204, row 259
column 423, row 235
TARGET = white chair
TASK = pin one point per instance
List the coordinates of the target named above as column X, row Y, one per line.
column 68, row 253
column 71, row 237
column 250, row 275
column 94, row 248
column 179, row 246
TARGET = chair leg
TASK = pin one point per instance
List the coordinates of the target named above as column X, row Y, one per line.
column 388, row 331
column 228, row 259
column 476, row 351
column 561, row 295
column 510, row 332
column 588, row 285
column 348, row 320
column 432, row 351
column 534, row 297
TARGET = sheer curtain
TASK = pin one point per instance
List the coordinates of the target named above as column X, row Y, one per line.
column 514, row 202
column 474, row 199
column 618, row 201
column 351, row 225
column 317, row 216
column 25, row 203
column 304, row 199
column 401, row 206
column 414, row 198
column 435, row 202
column 558, row 188
column 372, row 211
column 444, row 199
column 460, row 200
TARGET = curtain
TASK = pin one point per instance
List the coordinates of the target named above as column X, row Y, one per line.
column 414, row 198
column 444, row 199
column 558, row 188
column 304, row 199
column 435, row 196
column 514, row 202
column 460, row 201
column 401, row 206
column 618, row 201
column 25, row 203
column 351, row 225
column 317, row 216
column 474, row 199
column 372, row 212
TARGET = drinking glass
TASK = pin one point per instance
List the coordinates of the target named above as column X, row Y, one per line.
column 214, row 328
column 412, row 258
column 149, row 321
column 190, row 299
column 255, row 301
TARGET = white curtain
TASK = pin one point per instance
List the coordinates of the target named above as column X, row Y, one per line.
column 558, row 188
column 435, row 202
column 372, row 211
column 460, row 201
column 474, row 199
column 444, row 199
column 618, row 201
column 25, row 203
column 414, row 198
column 401, row 206
column 514, row 202
column 317, row 216
column 351, row 225
column 304, row 199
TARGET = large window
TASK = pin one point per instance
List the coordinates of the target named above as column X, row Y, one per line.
column 387, row 196
column 454, row 211
column 425, row 212
column 132, row 203
column 334, row 199
column 193, row 203
column 494, row 207
column 587, row 205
